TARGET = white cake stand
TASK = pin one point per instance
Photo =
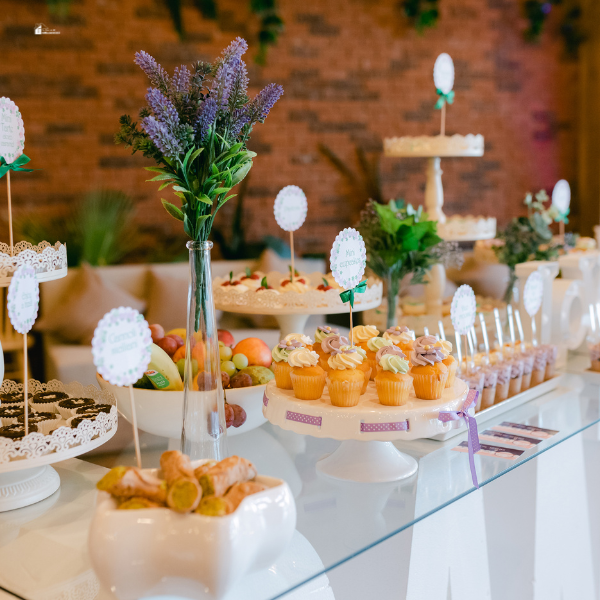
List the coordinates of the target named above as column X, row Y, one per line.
column 49, row 262
column 292, row 309
column 367, row 430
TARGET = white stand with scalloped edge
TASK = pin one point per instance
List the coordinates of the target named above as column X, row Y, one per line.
column 366, row 454
column 22, row 488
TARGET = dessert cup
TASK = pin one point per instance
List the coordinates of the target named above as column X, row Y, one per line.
column 308, row 382
column 282, row 375
column 488, row 397
column 537, row 377
column 393, row 389
column 345, row 386
column 515, row 386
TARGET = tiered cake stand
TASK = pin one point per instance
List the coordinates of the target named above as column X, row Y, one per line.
column 366, row 430
column 26, row 476
column 292, row 309
column 49, row 262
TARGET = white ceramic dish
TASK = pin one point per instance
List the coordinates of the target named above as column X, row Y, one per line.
column 161, row 413
column 136, row 551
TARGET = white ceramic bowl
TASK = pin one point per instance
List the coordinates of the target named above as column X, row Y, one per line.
column 161, row 413
column 134, row 552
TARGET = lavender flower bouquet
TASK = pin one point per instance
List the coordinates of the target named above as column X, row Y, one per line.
column 195, row 127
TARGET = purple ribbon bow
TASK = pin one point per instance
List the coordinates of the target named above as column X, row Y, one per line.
column 473, row 435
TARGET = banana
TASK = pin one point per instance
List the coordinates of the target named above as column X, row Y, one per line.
column 161, row 362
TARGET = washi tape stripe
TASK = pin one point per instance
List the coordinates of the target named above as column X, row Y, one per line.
column 300, row 418
column 378, row 427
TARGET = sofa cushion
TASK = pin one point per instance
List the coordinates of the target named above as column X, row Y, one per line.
column 87, row 299
column 167, row 300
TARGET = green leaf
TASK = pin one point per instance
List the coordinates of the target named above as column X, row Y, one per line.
column 156, row 169
column 204, row 198
column 221, row 190
column 179, row 188
column 172, row 210
column 164, row 185
column 180, row 195
column 241, row 172
column 186, row 159
column 162, row 177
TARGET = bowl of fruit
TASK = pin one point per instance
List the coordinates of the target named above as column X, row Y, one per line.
column 159, row 393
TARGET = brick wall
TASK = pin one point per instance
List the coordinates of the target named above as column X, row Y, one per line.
column 353, row 72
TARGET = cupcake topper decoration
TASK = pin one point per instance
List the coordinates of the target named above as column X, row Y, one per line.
column 23, row 301
column 12, row 144
column 290, row 210
column 443, row 78
column 348, row 260
column 121, row 348
column 561, row 200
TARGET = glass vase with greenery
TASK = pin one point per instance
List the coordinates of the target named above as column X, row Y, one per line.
column 528, row 238
column 401, row 241
column 195, row 127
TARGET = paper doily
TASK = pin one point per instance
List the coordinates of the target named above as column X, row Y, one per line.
column 49, row 262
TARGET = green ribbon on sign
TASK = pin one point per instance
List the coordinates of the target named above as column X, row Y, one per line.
column 563, row 216
column 348, row 295
column 443, row 98
column 16, row 165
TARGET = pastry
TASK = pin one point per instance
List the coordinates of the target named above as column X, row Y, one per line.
column 321, row 333
column 298, row 285
column 361, row 334
column 449, row 361
column 373, row 346
column 67, row 408
column 299, row 337
column 9, row 414
column 528, row 358
column 219, row 478
column 344, row 379
column 538, row 373
column 47, row 401
column 503, row 371
column 401, row 336
column 16, row 431
column 330, row 344
column 308, row 378
column 429, row 372
column 13, row 398
column 45, row 422
column 516, row 377
column 393, row 382
column 388, row 350
column 280, row 365
column 73, row 422
column 95, row 409
column 490, row 380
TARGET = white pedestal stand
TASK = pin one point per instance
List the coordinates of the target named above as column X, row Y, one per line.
column 22, row 488
column 366, row 454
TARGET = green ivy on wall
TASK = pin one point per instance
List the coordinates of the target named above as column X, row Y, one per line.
column 421, row 13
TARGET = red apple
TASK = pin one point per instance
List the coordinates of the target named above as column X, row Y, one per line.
column 168, row 344
column 225, row 337
column 157, row 331
column 178, row 339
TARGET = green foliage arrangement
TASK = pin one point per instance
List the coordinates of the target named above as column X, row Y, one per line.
column 401, row 241
column 421, row 13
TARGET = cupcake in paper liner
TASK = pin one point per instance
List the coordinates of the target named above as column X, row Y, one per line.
column 73, row 422
column 13, row 398
column 46, row 422
column 16, row 431
column 331, row 344
column 428, row 371
column 66, row 408
column 322, row 332
column 10, row 413
column 392, row 382
column 47, row 401
column 449, row 361
column 345, row 379
column 304, row 340
column 402, row 336
column 389, row 350
column 361, row 334
column 308, row 378
column 94, row 409
column 374, row 345
column 280, row 364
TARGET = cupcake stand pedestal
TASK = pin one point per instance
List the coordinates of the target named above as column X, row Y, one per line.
column 367, row 430
column 26, row 476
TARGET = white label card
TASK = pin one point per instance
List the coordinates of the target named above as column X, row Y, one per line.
column 290, row 208
column 532, row 293
column 348, row 258
column 122, row 346
column 23, row 298
column 561, row 195
column 443, row 73
column 463, row 309
column 12, row 131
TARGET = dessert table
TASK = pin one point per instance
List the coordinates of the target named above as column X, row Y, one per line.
column 358, row 540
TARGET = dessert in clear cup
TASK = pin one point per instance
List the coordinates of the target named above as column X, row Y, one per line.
column 473, row 376
column 428, row 371
column 516, row 376
column 308, row 378
column 392, row 382
column 594, row 349
column 490, row 381
column 503, row 372
column 538, row 373
column 345, row 379
column 528, row 359
column 551, row 351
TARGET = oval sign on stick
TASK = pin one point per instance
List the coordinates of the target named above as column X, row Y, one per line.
column 23, row 299
column 348, row 258
column 463, row 309
column 561, row 195
column 290, row 208
column 12, row 131
column 121, row 346
column 443, row 73
column 532, row 293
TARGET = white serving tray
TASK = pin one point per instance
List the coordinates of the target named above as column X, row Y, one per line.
column 497, row 409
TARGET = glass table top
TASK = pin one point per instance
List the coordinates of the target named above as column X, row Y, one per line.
column 44, row 546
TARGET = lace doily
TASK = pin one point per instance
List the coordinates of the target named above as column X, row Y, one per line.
column 434, row 145
column 35, row 444
column 44, row 257
column 275, row 302
column 467, row 228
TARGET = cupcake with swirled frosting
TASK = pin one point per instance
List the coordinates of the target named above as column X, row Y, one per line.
column 345, row 378
column 374, row 345
column 331, row 344
column 388, row 350
column 322, row 332
column 401, row 336
column 361, row 334
column 299, row 337
column 308, row 378
column 429, row 372
column 448, row 360
column 393, row 382
column 280, row 365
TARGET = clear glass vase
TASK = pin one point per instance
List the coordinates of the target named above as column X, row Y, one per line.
column 204, row 433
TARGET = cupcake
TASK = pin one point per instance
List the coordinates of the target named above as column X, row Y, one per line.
column 429, row 372
column 594, row 350
column 344, row 379
column 13, row 398
column 401, row 336
column 47, row 401
column 516, row 377
column 389, row 350
column 393, row 382
column 539, row 367
column 332, row 343
column 365, row 367
column 449, row 361
column 280, row 364
column 551, row 356
column 66, row 408
column 503, row 371
column 475, row 380
column 374, row 345
column 490, row 381
column 45, row 422
column 16, row 431
column 321, row 333
column 361, row 334
column 528, row 358
column 298, row 285
column 96, row 409
column 308, row 378
column 9, row 414
column 298, row 337
column 73, row 422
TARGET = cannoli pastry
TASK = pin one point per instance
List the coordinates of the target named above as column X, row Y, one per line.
column 220, row 506
column 130, row 482
column 219, row 478
column 183, row 490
